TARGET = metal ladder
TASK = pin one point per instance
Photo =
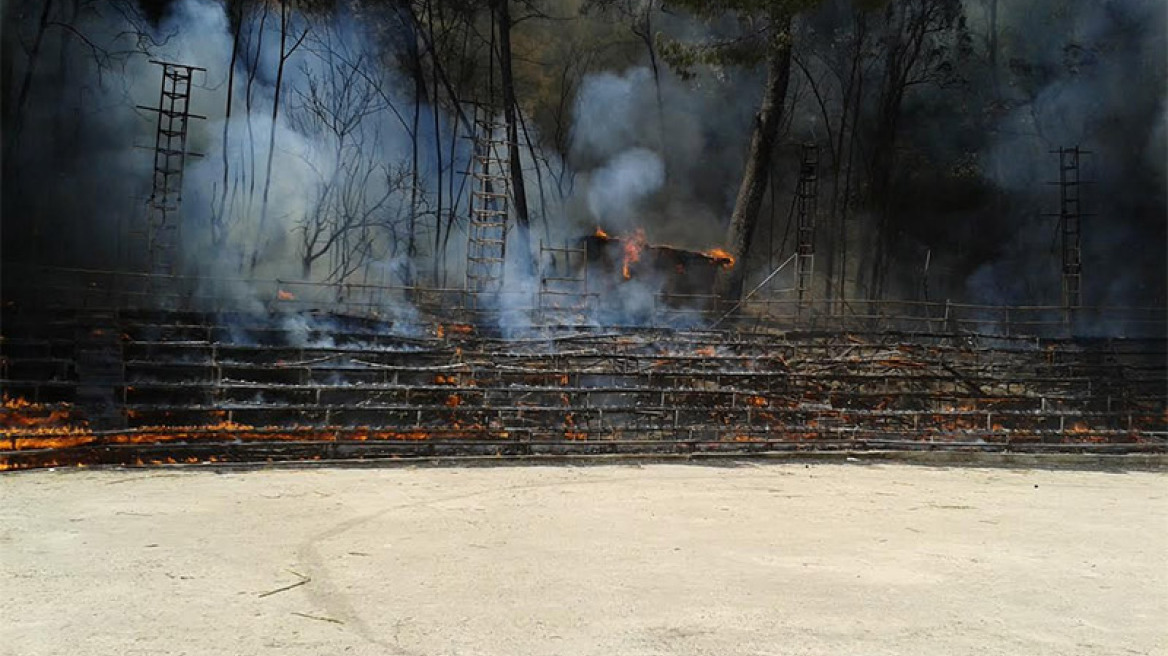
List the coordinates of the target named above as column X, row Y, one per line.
column 170, row 152
column 1070, row 215
column 806, row 195
column 486, row 248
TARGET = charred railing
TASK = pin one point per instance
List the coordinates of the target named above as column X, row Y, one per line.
column 416, row 308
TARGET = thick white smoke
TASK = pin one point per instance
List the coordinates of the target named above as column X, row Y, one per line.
column 668, row 168
column 616, row 188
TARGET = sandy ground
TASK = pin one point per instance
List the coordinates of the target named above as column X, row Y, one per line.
column 612, row 560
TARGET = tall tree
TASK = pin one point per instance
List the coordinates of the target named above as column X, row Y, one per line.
column 915, row 50
column 638, row 15
column 504, row 23
column 765, row 39
column 219, row 216
column 286, row 53
column 833, row 55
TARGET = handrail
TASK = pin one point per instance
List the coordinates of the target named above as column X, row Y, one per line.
column 361, row 296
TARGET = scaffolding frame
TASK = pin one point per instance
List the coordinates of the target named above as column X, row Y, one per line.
column 563, row 282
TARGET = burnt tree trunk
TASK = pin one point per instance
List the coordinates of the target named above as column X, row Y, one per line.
column 643, row 29
column 420, row 94
column 219, row 214
column 13, row 129
column 285, row 54
column 758, row 165
column 518, row 190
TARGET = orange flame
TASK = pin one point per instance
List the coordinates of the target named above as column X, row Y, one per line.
column 64, row 437
column 601, row 233
column 633, row 246
column 285, row 296
column 20, row 417
column 720, row 256
column 17, row 403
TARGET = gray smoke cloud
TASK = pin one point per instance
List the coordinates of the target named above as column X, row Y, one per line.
column 339, row 195
column 670, row 169
column 616, row 188
column 1092, row 74
column 1093, row 79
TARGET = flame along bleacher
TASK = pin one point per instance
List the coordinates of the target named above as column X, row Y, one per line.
column 132, row 387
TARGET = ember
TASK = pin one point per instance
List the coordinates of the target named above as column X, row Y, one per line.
column 442, row 330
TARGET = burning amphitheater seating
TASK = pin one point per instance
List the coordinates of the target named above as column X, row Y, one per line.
column 151, row 386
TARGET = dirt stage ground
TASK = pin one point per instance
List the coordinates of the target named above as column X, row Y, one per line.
column 598, row 560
